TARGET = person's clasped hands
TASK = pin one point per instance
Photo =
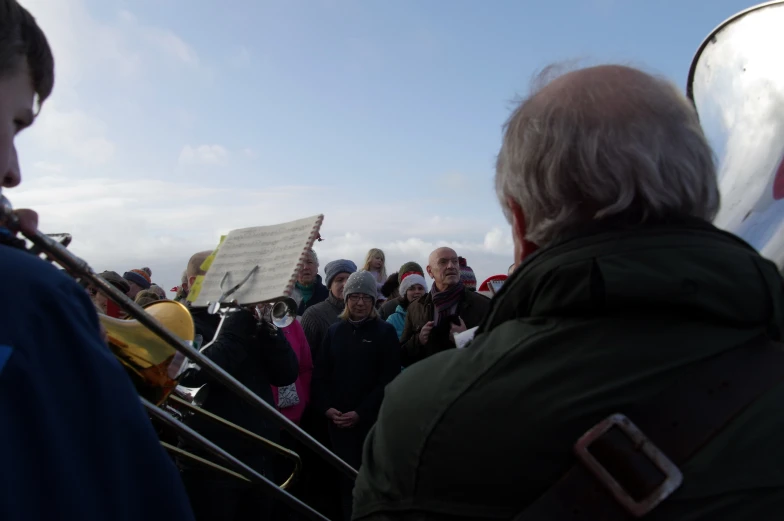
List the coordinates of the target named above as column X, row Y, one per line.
column 342, row 420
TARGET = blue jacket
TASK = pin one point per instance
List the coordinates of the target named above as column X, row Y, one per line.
column 398, row 320
column 75, row 442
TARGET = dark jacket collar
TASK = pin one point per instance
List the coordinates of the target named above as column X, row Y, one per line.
column 320, row 294
column 684, row 267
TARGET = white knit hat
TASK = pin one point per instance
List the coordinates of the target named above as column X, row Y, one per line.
column 410, row 280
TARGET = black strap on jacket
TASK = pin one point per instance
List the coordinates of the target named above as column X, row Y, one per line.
column 628, row 463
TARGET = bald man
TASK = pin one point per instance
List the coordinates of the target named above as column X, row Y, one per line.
column 193, row 269
column 623, row 290
column 433, row 320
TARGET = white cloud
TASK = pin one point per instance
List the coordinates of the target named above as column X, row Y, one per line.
column 117, row 226
column 120, row 219
column 72, row 133
column 80, row 43
column 45, row 166
column 498, row 241
column 203, row 154
column 171, row 44
column 91, row 56
column 86, row 48
column 127, row 16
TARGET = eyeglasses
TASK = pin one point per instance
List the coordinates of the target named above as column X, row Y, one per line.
column 355, row 297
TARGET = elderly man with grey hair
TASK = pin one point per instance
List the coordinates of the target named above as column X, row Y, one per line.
column 309, row 290
column 624, row 296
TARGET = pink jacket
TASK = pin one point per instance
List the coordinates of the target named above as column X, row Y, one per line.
column 296, row 337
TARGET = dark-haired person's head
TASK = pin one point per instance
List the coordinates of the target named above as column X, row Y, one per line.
column 26, row 80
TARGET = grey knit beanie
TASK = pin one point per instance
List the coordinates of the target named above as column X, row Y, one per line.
column 334, row 268
column 360, row 282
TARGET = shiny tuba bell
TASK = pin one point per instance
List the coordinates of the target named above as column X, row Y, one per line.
column 736, row 83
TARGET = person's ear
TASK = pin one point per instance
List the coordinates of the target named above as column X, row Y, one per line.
column 522, row 246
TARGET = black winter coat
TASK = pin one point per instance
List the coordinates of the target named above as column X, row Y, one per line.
column 253, row 357
column 354, row 365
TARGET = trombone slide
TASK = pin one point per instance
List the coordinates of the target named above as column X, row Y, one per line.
column 271, row 445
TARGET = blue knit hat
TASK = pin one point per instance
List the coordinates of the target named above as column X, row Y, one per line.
column 137, row 278
column 336, row 267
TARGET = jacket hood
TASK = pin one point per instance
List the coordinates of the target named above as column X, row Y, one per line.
column 692, row 270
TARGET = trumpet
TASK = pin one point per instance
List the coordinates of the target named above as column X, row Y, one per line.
column 78, row 268
column 279, row 314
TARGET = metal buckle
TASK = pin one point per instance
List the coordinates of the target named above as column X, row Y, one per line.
column 673, row 476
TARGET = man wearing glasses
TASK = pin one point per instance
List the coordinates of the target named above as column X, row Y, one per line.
column 434, row 319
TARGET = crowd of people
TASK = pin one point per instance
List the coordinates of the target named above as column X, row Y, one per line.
column 356, row 330
column 631, row 364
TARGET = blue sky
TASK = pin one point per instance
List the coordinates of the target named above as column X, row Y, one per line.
column 174, row 121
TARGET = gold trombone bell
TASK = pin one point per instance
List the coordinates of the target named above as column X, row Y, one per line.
column 154, row 367
column 151, row 362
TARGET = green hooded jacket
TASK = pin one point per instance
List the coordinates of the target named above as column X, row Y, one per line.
column 580, row 331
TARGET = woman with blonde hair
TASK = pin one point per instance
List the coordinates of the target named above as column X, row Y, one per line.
column 375, row 263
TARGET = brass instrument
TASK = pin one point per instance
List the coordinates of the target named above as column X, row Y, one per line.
column 148, row 359
column 78, row 268
column 271, row 445
column 154, row 368
column 736, row 86
column 194, row 396
column 280, row 313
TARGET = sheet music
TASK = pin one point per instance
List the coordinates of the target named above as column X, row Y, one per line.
column 277, row 250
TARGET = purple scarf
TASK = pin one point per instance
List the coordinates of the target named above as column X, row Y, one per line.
column 446, row 301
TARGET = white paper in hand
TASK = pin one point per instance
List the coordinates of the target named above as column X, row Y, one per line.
column 462, row 339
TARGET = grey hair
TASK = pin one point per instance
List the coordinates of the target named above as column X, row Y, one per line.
column 313, row 256
column 631, row 151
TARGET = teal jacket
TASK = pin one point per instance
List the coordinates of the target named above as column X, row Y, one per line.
column 582, row 330
column 398, row 319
